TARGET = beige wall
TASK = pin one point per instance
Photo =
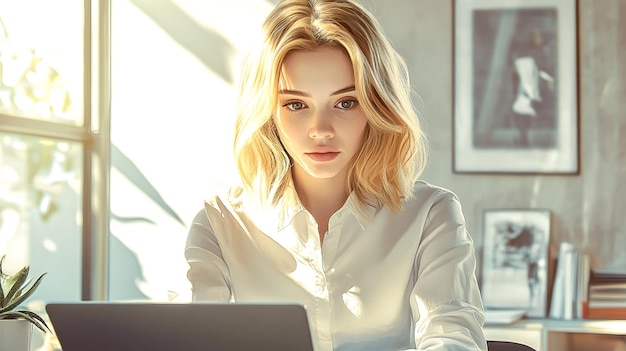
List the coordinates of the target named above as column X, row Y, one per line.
column 589, row 208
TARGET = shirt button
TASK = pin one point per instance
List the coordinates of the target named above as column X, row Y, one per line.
column 332, row 271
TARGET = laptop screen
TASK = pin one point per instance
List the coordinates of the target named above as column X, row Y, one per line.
column 126, row 326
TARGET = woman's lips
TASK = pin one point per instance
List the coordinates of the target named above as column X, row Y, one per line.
column 323, row 156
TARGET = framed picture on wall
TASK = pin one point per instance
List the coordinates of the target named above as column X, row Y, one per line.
column 515, row 260
column 515, row 87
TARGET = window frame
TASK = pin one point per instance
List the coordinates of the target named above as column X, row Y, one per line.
column 94, row 135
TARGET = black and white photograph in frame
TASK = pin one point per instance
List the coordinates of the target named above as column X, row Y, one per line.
column 515, row 87
column 515, row 260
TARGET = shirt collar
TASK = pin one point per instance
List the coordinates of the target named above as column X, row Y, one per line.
column 364, row 213
column 287, row 207
column 281, row 215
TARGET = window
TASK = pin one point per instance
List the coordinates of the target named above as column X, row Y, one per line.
column 49, row 148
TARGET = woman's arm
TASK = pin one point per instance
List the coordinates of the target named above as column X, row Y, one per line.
column 208, row 273
column 446, row 303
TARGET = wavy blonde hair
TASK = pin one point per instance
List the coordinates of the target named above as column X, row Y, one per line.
column 394, row 151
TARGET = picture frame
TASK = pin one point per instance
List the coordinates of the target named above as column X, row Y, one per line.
column 515, row 262
column 515, row 87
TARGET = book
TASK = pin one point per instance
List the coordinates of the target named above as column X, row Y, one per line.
column 607, row 290
column 599, row 277
column 583, row 274
column 564, row 286
column 595, row 286
column 599, row 310
column 607, row 295
column 569, row 284
column 604, row 303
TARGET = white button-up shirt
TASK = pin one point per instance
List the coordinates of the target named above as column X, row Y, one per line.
column 380, row 280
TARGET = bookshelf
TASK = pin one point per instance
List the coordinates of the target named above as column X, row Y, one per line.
column 561, row 335
column 587, row 310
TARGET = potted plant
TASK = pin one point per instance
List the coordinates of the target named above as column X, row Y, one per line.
column 16, row 324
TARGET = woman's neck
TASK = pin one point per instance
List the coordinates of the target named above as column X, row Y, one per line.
column 321, row 197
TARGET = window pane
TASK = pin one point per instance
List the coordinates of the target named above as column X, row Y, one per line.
column 40, row 215
column 41, row 60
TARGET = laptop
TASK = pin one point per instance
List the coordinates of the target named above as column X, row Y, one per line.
column 172, row 326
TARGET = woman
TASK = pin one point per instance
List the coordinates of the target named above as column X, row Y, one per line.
column 330, row 213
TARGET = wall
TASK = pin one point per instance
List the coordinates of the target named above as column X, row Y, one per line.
column 174, row 68
column 588, row 208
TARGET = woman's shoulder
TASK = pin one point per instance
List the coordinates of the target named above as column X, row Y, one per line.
column 434, row 201
column 430, row 198
column 223, row 196
column 424, row 190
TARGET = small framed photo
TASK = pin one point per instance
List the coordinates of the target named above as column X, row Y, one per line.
column 515, row 87
column 515, row 260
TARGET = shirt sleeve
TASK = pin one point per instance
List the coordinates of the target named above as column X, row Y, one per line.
column 208, row 273
column 445, row 301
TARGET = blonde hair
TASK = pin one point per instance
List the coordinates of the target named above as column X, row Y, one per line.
column 394, row 152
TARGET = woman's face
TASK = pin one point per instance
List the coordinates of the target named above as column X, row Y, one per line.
column 319, row 119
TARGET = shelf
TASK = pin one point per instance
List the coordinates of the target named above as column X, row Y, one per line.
column 555, row 335
column 614, row 327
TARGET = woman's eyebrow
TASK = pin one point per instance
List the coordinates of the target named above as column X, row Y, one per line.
column 344, row 90
column 305, row 94
column 294, row 92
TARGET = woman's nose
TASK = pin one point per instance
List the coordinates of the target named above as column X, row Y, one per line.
column 321, row 128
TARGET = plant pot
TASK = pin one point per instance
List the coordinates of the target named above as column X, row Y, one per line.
column 15, row 334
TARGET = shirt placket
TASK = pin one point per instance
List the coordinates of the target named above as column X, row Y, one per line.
column 319, row 289
column 327, row 272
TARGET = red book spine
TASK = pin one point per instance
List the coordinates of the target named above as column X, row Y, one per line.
column 606, row 313
column 585, row 307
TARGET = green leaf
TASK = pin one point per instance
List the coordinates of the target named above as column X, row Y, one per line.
column 36, row 320
column 29, row 316
column 16, row 281
column 2, row 277
column 8, row 280
column 11, row 304
column 1, row 272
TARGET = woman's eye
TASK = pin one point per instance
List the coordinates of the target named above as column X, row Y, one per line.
column 346, row 104
column 294, row 106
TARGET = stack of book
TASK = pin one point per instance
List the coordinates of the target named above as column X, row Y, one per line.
column 580, row 292
column 607, row 295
